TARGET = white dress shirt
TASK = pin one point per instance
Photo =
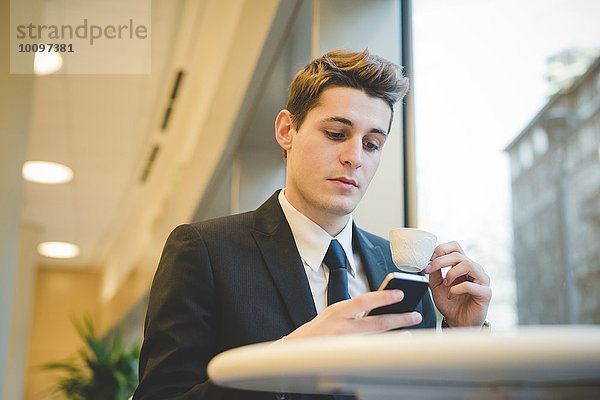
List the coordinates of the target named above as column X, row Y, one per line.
column 312, row 242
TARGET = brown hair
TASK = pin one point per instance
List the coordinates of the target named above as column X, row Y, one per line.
column 374, row 75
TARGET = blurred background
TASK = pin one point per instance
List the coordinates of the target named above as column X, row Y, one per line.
column 497, row 146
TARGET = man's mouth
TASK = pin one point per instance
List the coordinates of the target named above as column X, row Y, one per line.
column 346, row 181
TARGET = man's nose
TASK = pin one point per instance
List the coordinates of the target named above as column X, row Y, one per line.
column 351, row 153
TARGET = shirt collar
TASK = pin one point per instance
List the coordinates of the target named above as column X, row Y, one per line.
column 313, row 241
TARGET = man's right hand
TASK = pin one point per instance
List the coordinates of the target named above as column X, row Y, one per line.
column 350, row 316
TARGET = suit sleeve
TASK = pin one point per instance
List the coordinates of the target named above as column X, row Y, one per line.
column 180, row 333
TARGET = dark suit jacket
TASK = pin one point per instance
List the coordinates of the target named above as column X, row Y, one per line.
column 230, row 282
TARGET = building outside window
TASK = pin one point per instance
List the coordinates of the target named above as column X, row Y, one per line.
column 507, row 111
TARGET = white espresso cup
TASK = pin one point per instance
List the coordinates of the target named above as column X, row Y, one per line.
column 411, row 248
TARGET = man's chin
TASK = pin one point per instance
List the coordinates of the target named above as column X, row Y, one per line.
column 342, row 207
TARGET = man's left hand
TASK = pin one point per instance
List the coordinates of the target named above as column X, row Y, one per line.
column 464, row 295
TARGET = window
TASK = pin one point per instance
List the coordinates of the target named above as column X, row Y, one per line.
column 488, row 76
column 540, row 141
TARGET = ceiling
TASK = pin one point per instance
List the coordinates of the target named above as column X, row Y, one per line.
column 99, row 125
column 108, row 129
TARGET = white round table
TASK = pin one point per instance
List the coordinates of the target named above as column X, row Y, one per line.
column 552, row 362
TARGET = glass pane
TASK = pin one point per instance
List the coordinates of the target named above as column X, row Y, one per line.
column 507, row 99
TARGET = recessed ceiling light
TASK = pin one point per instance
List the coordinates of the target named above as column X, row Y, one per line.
column 47, row 62
column 58, row 249
column 47, row 172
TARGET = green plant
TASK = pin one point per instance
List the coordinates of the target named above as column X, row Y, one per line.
column 105, row 369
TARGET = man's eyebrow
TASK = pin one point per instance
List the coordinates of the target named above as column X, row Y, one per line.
column 342, row 120
column 346, row 121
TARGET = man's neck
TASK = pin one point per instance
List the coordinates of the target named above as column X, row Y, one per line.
column 330, row 223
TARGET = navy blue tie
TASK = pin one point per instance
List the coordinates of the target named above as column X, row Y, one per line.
column 337, row 287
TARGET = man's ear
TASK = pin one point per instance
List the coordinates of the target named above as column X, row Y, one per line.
column 284, row 130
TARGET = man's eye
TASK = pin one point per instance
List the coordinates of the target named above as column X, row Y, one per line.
column 371, row 146
column 334, row 135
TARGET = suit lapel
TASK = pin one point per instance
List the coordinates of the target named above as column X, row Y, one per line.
column 372, row 258
column 276, row 243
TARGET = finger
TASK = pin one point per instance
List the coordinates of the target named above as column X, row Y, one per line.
column 446, row 248
column 468, row 270
column 447, row 260
column 435, row 279
column 386, row 322
column 480, row 292
column 366, row 302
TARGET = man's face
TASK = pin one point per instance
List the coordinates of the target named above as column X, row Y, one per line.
column 335, row 153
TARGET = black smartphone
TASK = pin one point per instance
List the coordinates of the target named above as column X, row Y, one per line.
column 413, row 286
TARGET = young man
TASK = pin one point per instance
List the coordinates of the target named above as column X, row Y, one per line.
column 270, row 274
